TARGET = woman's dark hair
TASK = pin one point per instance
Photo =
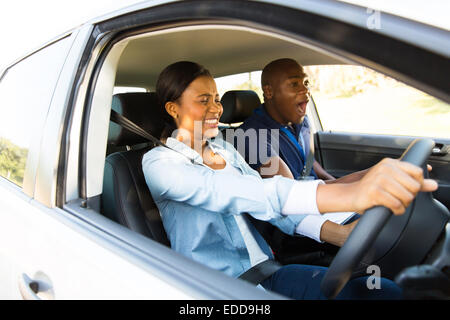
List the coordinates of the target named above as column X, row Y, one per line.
column 172, row 82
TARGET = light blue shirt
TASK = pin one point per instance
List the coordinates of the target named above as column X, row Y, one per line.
column 197, row 204
column 255, row 253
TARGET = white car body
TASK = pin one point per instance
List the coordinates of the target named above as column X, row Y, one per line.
column 71, row 251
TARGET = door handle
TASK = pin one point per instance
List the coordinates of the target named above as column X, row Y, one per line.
column 39, row 289
column 440, row 150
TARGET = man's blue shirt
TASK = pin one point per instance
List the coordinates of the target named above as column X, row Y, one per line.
column 269, row 143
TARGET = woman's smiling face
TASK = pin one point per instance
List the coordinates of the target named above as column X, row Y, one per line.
column 198, row 110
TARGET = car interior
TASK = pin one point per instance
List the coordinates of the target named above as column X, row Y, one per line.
column 125, row 197
column 226, row 50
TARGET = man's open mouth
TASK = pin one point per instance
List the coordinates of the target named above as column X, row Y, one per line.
column 302, row 106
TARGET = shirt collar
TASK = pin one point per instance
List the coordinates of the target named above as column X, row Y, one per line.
column 188, row 151
column 266, row 118
column 271, row 123
column 184, row 149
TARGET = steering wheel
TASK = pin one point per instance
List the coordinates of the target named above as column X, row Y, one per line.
column 367, row 229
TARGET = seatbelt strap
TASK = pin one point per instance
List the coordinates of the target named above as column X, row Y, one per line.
column 295, row 142
column 131, row 126
column 308, row 166
column 310, row 159
column 261, row 271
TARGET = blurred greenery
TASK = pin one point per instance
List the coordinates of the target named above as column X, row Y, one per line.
column 344, row 81
column 12, row 161
column 435, row 106
column 339, row 81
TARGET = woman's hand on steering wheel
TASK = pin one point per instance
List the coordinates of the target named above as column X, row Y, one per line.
column 390, row 183
column 388, row 187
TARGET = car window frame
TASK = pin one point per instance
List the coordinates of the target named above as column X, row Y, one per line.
column 170, row 15
column 162, row 17
column 31, row 164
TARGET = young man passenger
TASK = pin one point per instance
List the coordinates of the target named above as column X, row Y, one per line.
column 286, row 95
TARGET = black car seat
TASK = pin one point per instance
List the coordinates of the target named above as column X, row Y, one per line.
column 126, row 198
column 238, row 105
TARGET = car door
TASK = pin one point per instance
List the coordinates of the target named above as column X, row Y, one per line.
column 366, row 117
column 343, row 153
column 47, row 255
column 44, row 252
column 48, row 251
column 26, row 90
column 54, row 243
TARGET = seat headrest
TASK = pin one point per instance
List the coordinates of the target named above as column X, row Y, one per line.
column 142, row 109
column 238, row 105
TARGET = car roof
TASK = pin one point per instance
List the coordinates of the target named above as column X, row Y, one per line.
column 414, row 32
column 223, row 50
column 421, row 35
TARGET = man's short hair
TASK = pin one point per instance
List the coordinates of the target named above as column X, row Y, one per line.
column 273, row 67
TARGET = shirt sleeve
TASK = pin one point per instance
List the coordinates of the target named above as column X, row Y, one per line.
column 300, row 208
column 310, row 226
column 302, row 198
column 172, row 178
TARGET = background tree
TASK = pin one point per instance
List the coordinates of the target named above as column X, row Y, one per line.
column 12, row 161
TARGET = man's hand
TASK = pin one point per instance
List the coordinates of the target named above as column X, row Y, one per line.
column 335, row 233
column 321, row 173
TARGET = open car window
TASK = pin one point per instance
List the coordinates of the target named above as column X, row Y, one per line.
column 356, row 99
